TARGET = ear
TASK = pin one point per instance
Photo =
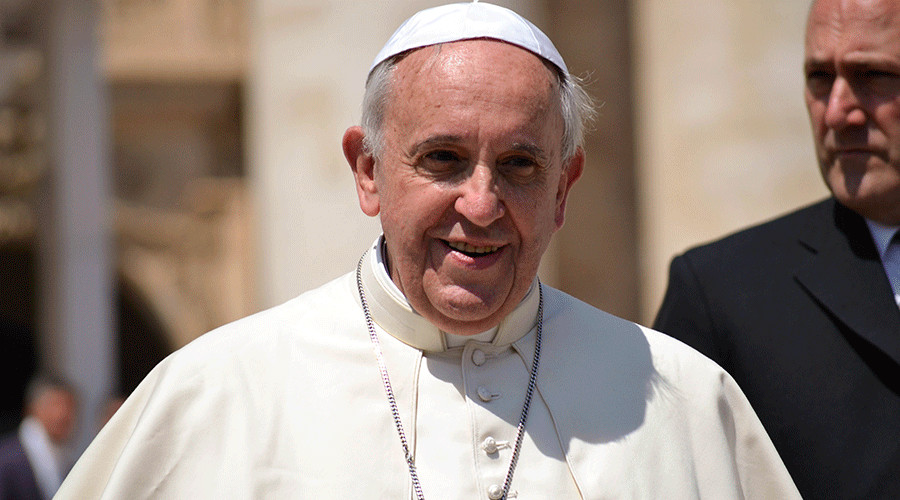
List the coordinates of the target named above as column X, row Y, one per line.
column 572, row 170
column 363, row 166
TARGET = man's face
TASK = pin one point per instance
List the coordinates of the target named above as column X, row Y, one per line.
column 853, row 96
column 470, row 185
column 56, row 410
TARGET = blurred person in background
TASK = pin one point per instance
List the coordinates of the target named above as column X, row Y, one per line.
column 803, row 311
column 34, row 460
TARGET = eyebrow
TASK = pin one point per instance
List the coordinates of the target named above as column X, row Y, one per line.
column 531, row 149
column 447, row 139
column 437, row 139
column 852, row 61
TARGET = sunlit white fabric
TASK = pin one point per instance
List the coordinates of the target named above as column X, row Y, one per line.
column 288, row 404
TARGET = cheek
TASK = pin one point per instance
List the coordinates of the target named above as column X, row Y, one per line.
column 535, row 220
column 399, row 197
column 817, row 118
column 890, row 118
column 409, row 211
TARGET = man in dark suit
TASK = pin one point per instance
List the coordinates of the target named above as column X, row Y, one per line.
column 32, row 460
column 801, row 310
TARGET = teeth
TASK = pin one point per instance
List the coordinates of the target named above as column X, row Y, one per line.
column 470, row 249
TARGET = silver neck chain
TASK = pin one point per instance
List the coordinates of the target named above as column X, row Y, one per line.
column 395, row 411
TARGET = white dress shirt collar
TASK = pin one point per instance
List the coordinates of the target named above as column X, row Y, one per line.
column 43, row 455
column 882, row 236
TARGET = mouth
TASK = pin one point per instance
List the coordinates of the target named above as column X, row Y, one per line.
column 849, row 147
column 850, row 153
column 471, row 250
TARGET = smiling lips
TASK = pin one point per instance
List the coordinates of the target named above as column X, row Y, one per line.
column 471, row 250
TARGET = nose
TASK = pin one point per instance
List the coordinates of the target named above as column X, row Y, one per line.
column 479, row 200
column 844, row 108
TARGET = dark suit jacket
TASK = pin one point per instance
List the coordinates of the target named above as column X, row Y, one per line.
column 800, row 312
column 17, row 480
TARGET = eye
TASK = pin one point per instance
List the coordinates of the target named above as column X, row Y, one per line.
column 878, row 73
column 877, row 82
column 519, row 162
column 519, row 168
column 442, row 156
column 880, row 81
column 441, row 163
column 819, row 76
column 819, row 81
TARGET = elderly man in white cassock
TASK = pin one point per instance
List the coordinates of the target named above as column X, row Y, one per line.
column 441, row 367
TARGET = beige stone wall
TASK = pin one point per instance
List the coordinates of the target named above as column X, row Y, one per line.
column 174, row 40
column 597, row 259
column 723, row 135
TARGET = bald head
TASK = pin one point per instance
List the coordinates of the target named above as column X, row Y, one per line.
column 833, row 14
column 852, row 68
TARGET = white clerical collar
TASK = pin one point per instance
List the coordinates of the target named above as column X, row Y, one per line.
column 393, row 313
column 882, row 235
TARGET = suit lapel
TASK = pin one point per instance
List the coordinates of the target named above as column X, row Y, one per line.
column 845, row 275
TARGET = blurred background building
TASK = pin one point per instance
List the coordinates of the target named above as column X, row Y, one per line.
column 167, row 166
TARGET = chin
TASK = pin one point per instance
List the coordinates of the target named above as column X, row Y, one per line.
column 468, row 318
column 466, row 327
column 478, row 313
column 876, row 208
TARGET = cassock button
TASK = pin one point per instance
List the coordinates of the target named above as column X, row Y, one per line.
column 485, row 395
column 478, row 357
column 495, row 492
column 489, row 445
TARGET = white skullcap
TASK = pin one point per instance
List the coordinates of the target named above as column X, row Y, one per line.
column 465, row 21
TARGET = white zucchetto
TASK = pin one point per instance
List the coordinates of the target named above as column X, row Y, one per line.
column 466, row 21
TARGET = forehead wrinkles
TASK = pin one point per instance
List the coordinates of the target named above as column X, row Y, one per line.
column 842, row 21
column 474, row 71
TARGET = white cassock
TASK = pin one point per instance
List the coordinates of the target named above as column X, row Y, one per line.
column 289, row 403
